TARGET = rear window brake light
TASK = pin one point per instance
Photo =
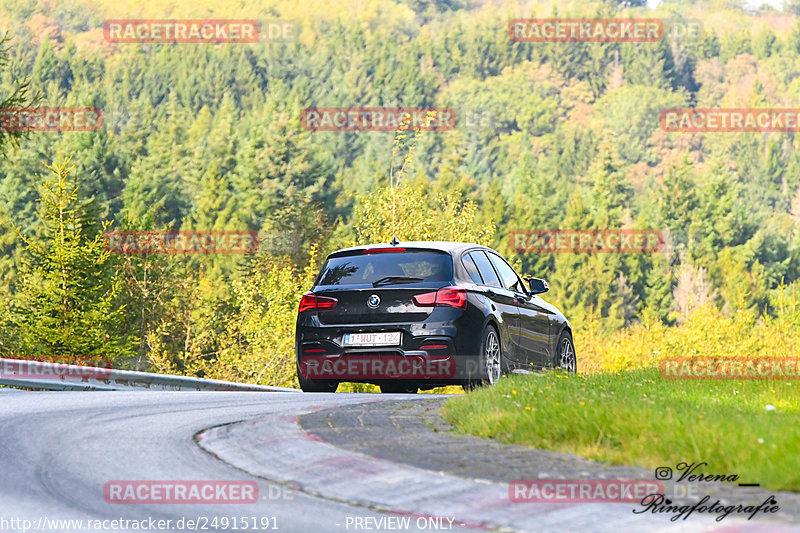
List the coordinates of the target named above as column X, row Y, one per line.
column 383, row 250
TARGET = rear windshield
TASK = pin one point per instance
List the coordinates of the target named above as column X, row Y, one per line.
column 368, row 268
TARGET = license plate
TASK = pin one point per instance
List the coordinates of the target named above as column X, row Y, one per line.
column 382, row 338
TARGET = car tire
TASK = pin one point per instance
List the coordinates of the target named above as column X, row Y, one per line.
column 491, row 359
column 396, row 387
column 565, row 357
column 317, row 385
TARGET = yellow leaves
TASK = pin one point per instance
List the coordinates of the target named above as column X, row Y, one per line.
column 706, row 332
column 418, row 215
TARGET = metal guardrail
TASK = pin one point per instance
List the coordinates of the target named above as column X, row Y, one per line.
column 57, row 376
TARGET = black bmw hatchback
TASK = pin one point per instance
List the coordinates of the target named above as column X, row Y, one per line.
column 419, row 315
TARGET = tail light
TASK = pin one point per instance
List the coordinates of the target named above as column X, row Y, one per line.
column 313, row 302
column 444, row 297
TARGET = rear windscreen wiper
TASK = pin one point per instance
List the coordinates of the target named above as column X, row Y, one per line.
column 396, row 279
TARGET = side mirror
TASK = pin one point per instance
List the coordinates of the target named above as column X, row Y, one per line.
column 538, row 285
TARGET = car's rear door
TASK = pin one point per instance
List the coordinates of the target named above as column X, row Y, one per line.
column 534, row 320
column 504, row 301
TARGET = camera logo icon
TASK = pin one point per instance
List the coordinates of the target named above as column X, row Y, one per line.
column 663, row 473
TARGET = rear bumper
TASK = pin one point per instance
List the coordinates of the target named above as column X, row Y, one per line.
column 412, row 366
column 426, row 360
column 441, row 350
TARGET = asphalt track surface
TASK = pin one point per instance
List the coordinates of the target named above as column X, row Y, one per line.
column 59, row 450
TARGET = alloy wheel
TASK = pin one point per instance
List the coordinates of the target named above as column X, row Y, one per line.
column 492, row 356
column 566, row 356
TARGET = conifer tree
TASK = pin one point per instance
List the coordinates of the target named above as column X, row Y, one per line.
column 67, row 300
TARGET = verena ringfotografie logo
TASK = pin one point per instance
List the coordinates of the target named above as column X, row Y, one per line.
column 56, row 367
column 731, row 368
column 692, row 474
column 582, row 490
column 181, row 31
column 696, row 120
column 586, row 30
column 50, row 119
column 368, row 366
column 181, row 242
column 377, row 119
column 181, row 492
column 619, row 241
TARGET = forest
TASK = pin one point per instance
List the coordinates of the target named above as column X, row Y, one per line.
column 555, row 135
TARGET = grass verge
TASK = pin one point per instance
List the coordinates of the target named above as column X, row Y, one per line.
column 639, row 418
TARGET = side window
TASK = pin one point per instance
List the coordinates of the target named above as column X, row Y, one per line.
column 472, row 269
column 508, row 277
column 485, row 268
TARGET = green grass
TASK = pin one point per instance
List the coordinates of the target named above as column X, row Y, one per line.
column 638, row 418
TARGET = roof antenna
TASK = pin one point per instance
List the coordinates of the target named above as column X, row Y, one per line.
column 394, row 242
